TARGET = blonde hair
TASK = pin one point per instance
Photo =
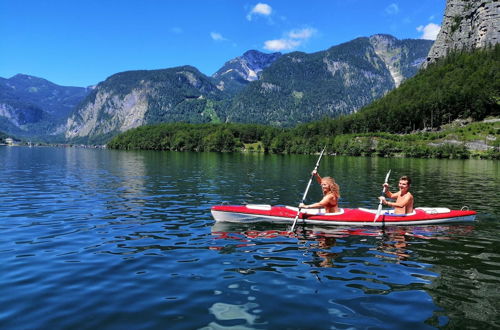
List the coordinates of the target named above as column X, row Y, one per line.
column 332, row 185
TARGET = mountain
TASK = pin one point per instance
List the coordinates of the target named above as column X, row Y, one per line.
column 238, row 72
column 300, row 87
column 34, row 106
column 280, row 90
column 466, row 25
column 276, row 89
column 134, row 98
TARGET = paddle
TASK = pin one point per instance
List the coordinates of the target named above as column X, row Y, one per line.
column 380, row 204
column 307, row 188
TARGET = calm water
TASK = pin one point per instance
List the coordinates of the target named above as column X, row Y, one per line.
column 125, row 240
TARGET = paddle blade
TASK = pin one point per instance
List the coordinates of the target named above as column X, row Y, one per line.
column 380, row 204
column 387, row 176
column 379, row 210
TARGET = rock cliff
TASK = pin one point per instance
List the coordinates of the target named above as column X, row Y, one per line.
column 467, row 24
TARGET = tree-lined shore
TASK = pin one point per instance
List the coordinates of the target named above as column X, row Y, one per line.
column 457, row 140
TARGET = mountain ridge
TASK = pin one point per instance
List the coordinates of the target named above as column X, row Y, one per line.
column 277, row 89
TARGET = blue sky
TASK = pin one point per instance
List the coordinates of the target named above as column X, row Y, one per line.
column 80, row 43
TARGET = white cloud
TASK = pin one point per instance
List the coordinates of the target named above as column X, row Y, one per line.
column 429, row 32
column 392, row 9
column 217, row 36
column 280, row 44
column 305, row 33
column 292, row 39
column 260, row 9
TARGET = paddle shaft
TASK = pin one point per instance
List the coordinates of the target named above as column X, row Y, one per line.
column 382, row 194
column 307, row 188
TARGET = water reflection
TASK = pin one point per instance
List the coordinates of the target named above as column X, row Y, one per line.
column 362, row 269
column 322, row 256
column 394, row 242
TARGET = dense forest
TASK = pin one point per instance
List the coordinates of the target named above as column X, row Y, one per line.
column 462, row 87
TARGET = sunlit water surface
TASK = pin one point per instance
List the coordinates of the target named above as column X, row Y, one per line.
column 125, row 240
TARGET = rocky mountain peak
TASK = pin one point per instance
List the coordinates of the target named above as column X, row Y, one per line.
column 26, row 81
column 245, row 68
column 384, row 40
column 257, row 61
column 467, row 24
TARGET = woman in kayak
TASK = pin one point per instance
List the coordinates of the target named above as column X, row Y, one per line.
column 331, row 194
column 404, row 199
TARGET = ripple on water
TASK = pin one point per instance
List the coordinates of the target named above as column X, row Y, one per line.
column 104, row 239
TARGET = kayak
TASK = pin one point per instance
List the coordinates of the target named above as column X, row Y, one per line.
column 345, row 217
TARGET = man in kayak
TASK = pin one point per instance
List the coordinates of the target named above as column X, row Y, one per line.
column 331, row 194
column 404, row 199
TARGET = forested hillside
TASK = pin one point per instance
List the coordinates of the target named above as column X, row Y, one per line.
column 300, row 87
column 463, row 85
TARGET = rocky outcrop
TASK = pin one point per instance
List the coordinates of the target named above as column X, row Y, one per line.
column 402, row 58
column 238, row 72
column 21, row 116
column 467, row 24
column 121, row 113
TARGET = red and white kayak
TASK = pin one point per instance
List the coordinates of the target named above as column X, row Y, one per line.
column 346, row 217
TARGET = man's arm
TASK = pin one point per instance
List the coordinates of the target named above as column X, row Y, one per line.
column 391, row 195
column 402, row 202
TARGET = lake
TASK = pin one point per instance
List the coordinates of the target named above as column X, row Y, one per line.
column 125, row 240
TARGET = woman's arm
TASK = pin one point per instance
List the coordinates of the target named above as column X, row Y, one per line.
column 318, row 177
column 327, row 200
